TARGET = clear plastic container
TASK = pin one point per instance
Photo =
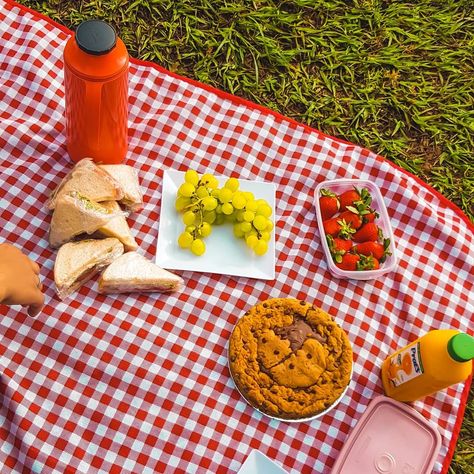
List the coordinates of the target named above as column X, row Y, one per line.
column 339, row 186
column 390, row 438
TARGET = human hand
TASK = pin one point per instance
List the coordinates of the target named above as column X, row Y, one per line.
column 19, row 280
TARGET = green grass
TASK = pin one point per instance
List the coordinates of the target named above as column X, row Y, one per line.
column 396, row 77
column 463, row 459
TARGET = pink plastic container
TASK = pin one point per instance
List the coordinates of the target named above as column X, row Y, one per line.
column 390, row 438
column 338, row 186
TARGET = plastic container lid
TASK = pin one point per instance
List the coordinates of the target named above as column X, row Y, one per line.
column 390, row 438
column 339, row 186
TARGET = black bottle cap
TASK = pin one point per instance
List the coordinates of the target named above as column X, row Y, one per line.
column 95, row 37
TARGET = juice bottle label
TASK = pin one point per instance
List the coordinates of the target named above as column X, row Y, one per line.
column 405, row 365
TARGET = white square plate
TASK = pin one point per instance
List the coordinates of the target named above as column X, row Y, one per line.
column 258, row 463
column 225, row 254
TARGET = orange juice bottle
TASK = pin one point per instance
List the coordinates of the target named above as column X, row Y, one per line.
column 433, row 362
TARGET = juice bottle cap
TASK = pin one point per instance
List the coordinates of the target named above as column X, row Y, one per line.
column 95, row 37
column 461, row 347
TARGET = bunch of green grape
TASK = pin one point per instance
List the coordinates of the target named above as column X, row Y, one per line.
column 203, row 205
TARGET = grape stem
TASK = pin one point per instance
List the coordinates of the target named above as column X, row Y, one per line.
column 194, row 203
column 201, row 218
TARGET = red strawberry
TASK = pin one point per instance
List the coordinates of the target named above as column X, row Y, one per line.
column 368, row 232
column 348, row 198
column 376, row 249
column 337, row 227
column 328, row 204
column 349, row 261
column 369, row 248
column 343, row 225
column 342, row 244
column 352, row 218
column 370, row 216
column 338, row 247
column 368, row 263
column 331, row 226
column 353, row 196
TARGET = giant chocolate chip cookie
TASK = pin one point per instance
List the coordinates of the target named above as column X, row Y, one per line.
column 289, row 359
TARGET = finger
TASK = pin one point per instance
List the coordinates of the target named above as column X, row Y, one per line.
column 34, row 310
column 36, row 303
column 38, row 283
column 27, row 295
column 35, row 266
column 35, row 283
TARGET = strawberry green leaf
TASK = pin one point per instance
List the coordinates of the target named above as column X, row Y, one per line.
column 327, row 192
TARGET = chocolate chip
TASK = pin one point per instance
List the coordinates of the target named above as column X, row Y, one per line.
column 264, row 341
column 291, row 366
column 276, row 352
column 303, row 303
column 265, row 305
column 309, row 356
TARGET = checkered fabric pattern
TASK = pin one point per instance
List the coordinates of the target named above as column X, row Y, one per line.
column 140, row 383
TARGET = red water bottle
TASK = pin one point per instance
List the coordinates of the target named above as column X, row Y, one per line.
column 96, row 92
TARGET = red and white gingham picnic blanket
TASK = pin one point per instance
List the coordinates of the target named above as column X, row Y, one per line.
column 139, row 383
